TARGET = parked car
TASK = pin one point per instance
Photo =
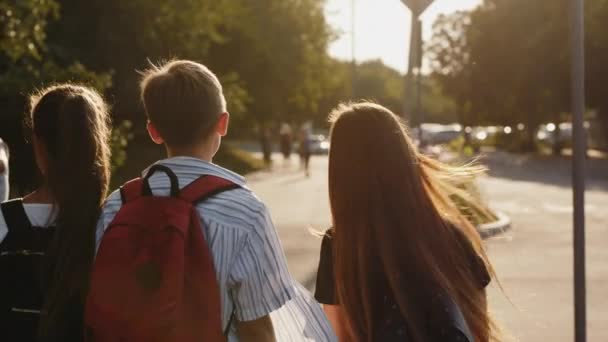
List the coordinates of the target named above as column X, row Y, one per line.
column 546, row 134
column 437, row 134
column 319, row 144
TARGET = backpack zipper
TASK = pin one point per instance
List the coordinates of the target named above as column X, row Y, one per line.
column 22, row 252
column 37, row 312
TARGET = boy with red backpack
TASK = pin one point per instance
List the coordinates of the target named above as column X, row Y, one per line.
column 187, row 252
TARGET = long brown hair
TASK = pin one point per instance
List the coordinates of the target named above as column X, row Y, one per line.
column 72, row 124
column 391, row 212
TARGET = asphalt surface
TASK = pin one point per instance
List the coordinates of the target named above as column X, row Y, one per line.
column 533, row 260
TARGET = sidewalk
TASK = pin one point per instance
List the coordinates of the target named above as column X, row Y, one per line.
column 533, row 260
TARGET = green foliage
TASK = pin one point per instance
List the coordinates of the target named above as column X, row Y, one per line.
column 375, row 81
column 23, row 28
column 475, row 213
column 119, row 141
column 278, row 48
column 508, row 61
column 25, row 60
column 270, row 54
column 237, row 160
column 451, row 62
column 27, row 63
column 503, row 64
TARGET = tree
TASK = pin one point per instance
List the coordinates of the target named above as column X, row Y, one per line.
column 512, row 56
column 596, row 55
column 278, row 49
column 270, row 54
column 124, row 36
column 26, row 63
column 380, row 83
column 450, row 57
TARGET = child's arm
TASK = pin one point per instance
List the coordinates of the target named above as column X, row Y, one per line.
column 4, row 188
column 260, row 280
column 259, row 330
column 334, row 315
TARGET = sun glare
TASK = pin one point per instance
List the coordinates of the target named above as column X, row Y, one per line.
column 382, row 27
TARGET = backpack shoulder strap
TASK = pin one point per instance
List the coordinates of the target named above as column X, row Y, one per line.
column 14, row 215
column 139, row 187
column 204, row 187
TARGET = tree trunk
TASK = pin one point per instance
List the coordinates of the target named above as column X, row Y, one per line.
column 530, row 140
column 603, row 121
column 463, row 122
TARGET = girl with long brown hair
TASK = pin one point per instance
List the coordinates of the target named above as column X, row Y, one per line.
column 47, row 239
column 400, row 263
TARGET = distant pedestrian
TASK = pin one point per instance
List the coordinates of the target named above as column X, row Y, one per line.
column 305, row 150
column 286, row 140
column 266, row 143
column 4, row 156
column 47, row 238
column 401, row 263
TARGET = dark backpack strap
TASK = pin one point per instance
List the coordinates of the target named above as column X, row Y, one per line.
column 147, row 191
column 204, row 187
column 141, row 187
column 14, row 215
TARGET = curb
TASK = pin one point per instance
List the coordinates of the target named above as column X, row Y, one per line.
column 492, row 229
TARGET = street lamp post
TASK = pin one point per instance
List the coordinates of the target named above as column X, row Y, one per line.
column 417, row 7
column 578, row 166
column 353, row 71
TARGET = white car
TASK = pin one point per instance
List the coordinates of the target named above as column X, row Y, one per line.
column 319, row 144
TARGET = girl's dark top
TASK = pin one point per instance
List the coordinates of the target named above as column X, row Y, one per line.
column 24, row 274
column 394, row 327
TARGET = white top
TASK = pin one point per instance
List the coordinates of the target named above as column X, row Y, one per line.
column 40, row 215
column 250, row 265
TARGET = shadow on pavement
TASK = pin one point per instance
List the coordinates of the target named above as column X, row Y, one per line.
column 544, row 169
column 296, row 178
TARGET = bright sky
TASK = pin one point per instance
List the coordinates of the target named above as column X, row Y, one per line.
column 382, row 27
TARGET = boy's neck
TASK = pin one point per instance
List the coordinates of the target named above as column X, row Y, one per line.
column 205, row 153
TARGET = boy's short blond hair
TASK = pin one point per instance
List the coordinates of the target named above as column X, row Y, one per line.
column 183, row 100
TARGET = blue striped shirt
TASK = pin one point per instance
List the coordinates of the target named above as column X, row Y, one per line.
column 250, row 265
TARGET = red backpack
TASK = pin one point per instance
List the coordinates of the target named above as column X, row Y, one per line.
column 153, row 279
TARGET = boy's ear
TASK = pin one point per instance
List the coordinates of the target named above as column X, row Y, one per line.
column 154, row 135
column 222, row 124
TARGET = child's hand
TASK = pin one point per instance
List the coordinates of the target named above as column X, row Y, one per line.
column 3, row 157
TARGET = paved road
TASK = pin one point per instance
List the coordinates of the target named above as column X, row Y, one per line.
column 533, row 261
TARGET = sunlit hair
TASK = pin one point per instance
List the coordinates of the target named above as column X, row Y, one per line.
column 183, row 99
column 392, row 213
column 71, row 123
